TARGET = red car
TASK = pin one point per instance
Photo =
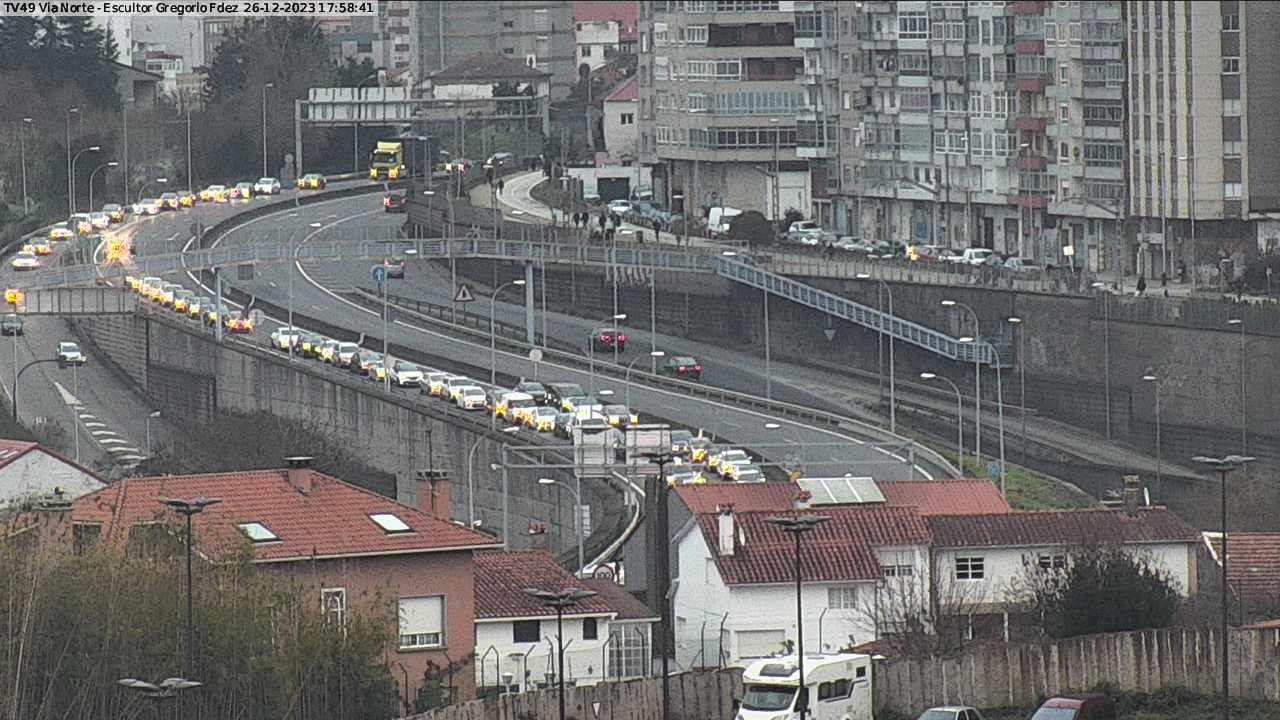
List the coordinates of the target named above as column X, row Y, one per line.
column 682, row 367
column 1077, row 707
column 604, row 340
column 395, row 202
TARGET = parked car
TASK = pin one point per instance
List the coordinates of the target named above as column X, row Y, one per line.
column 806, row 232
column 683, row 367
column 1088, row 706
column 603, row 340
column 1021, row 263
column 621, row 207
column 951, row 712
column 976, row 256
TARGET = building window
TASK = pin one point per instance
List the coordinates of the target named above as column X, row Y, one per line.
column 1050, row 34
column 1231, row 148
column 1064, row 113
column 844, row 597
column 694, row 35
column 913, row 63
column 1064, row 73
column 1051, row 562
column 526, row 631
column 971, row 568
column 1232, row 191
column 422, row 622
column 508, row 24
column 590, row 629
column 586, row 51
column 333, row 603
column 1230, row 22
column 627, row 119
column 628, row 650
column 85, row 536
column 913, row 26
column 1230, row 66
column 835, row 690
column 1231, row 107
column 1104, row 153
column 1064, row 152
column 890, row 571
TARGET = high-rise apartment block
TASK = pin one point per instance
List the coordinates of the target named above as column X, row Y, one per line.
column 539, row 33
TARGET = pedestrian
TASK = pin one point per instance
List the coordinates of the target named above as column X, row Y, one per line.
column 616, row 219
column 501, row 185
column 640, row 235
column 604, row 220
column 830, row 252
column 608, row 236
column 1182, row 272
column 1142, row 284
column 1164, row 279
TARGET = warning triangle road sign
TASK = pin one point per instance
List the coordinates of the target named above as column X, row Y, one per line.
column 464, row 295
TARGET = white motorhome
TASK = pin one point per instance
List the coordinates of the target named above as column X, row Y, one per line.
column 718, row 220
column 837, row 687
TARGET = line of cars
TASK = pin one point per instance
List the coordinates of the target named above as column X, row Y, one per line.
column 183, row 301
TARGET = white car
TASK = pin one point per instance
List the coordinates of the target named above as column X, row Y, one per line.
column 266, row 186
column 405, row 374
column 147, row 206
column 69, row 354
column 283, row 338
column 1020, row 263
column 621, row 207
column 453, row 386
column 471, row 397
column 25, row 261
column 346, row 352
column 100, row 220
column 976, row 256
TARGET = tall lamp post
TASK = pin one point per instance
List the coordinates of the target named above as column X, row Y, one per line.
column 71, row 199
column 1106, row 351
column 153, row 415
column 188, row 508
column 113, row 163
column 1224, row 466
column 71, row 208
column 1244, row 396
column 559, row 599
column 655, row 354
column 577, row 514
column 977, row 378
column 893, row 413
column 798, row 525
column 773, row 426
column 959, row 417
column 1150, row 376
column 493, row 336
column 591, row 342
column 1017, row 322
column 22, row 147
column 265, row 87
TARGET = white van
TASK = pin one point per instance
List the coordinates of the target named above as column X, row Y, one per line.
column 837, row 687
column 718, row 219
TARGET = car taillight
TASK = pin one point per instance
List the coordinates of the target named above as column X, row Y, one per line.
column 386, row 202
column 622, row 338
column 698, row 368
column 606, row 339
column 680, row 369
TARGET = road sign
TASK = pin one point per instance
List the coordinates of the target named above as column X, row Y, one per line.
column 464, row 294
column 595, row 708
column 830, row 333
column 379, row 274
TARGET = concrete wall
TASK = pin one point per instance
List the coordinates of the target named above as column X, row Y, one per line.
column 38, row 472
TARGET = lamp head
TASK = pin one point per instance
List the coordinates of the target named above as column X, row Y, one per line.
column 927, row 376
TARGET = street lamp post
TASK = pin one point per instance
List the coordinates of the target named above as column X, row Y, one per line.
column 959, row 417
column 145, row 185
column 188, row 508
column 893, row 403
column 1022, row 380
column 663, row 566
column 1224, row 466
column 113, row 163
column 1000, row 415
column 154, row 414
column 71, row 199
column 22, row 146
column 1150, row 377
column 798, row 525
column 265, row 87
column 18, row 377
column 71, row 206
column 655, row 354
column 1106, row 351
column 591, row 343
column 1244, row 397
column 977, row 378
column 560, row 599
column 771, row 426
column 577, row 514
column 493, row 336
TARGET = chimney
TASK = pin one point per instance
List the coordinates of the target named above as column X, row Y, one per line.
column 431, row 493
column 299, row 473
column 802, row 499
column 1131, row 494
column 724, row 524
column 538, row 536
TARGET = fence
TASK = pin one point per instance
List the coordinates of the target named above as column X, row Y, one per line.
column 1261, row 317
column 706, row 695
column 1019, row 675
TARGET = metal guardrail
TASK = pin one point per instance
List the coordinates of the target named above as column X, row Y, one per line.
column 910, row 332
column 75, row 301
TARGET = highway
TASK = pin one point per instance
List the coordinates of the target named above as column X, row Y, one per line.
column 826, row 452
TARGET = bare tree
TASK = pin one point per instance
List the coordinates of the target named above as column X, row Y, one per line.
column 915, row 617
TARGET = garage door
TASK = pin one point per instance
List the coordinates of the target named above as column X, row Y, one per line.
column 613, row 188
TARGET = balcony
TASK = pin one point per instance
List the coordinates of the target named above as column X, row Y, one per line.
column 1032, row 200
column 1028, row 46
column 1033, row 163
column 752, row 35
column 1028, row 7
column 1035, row 123
column 814, row 140
column 1033, row 83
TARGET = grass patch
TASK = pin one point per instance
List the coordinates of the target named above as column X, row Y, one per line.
column 1024, row 489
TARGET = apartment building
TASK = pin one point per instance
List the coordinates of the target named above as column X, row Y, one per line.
column 393, row 21
column 719, row 104
column 539, row 33
column 1204, row 81
column 603, row 28
column 825, row 128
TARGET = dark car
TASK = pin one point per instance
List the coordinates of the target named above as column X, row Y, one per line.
column 681, row 441
column 534, row 390
column 603, row 340
column 557, row 392
column 683, row 367
column 1088, row 706
column 563, row 426
column 395, row 202
column 11, row 325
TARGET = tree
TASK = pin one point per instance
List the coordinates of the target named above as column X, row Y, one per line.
column 916, row 620
column 352, row 73
column 57, row 51
column 752, row 228
column 1099, row 589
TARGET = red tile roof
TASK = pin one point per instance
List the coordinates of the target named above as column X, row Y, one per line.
column 501, row 578
column 627, row 91
column 1253, row 567
column 330, row 519
column 1264, row 625
column 744, row 497
column 625, row 13
column 486, row 68
column 622, row 602
column 841, row 549
column 945, row 497
column 1060, row 527
column 11, row 450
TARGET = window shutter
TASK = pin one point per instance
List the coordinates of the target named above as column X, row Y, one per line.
column 422, row 615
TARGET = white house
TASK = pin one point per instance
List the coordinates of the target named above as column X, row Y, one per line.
column 735, row 597
column 621, row 109
column 607, row 636
column 602, row 27
column 28, row 470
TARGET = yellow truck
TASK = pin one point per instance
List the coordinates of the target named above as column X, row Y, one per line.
column 387, row 161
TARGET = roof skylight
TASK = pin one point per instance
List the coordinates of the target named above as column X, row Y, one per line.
column 258, row 533
column 390, row 524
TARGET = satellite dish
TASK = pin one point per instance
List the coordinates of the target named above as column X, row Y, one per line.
column 535, row 355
